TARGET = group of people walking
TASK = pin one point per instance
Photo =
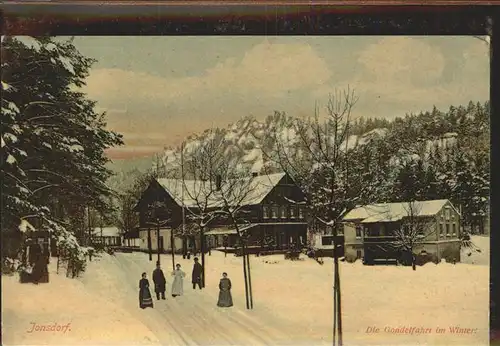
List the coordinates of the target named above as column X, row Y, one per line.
column 160, row 282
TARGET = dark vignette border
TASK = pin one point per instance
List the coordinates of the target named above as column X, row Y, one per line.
column 260, row 19
column 92, row 18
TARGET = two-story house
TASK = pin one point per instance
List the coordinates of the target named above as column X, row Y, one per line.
column 376, row 231
column 271, row 213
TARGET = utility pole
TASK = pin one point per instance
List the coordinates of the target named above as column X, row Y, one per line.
column 184, row 240
column 202, row 235
column 150, row 250
column 337, row 312
column 247, row 295
column 172, row 247
column 249, row 282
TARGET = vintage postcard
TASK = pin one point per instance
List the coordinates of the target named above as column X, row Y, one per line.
column 245, row 190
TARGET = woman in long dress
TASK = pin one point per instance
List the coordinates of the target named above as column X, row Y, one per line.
column 178, row 284
column 145, row 298
column 225, row 298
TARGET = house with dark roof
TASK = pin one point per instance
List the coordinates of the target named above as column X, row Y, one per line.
column 374, row 232
column 271, row 213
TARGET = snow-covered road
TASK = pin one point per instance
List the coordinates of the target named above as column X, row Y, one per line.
column 192, row 319
column 292, row 304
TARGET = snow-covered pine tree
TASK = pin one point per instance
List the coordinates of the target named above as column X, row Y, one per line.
column 470, row 188
column 57, row 142
column 411, row 182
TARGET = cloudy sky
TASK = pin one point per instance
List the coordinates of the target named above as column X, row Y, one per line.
column 157, row 90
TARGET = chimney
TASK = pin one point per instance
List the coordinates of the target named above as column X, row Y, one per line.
column 218, row 182
column 255, row 174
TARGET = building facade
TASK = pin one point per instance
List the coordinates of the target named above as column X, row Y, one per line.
column 271, row 214
column 375, row 232
column 107, row 236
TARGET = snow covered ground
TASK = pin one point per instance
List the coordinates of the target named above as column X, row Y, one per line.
column 78, row 315
column 476, row 257
column 292, row 304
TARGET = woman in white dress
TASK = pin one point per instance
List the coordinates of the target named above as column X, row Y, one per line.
column 178, row 284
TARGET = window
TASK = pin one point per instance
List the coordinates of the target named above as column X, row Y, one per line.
column 293, row 211
column 420, row 231
column 358, row 231
column 265, row 212
column 283, row 212
column 448, row 229
column 382, row 230
column 327, row 240
column 275, row 212
column 340, row 229
column 301, row 212
column 454, row 228
column 447, row 214
column 441, row 230
column 405, row 229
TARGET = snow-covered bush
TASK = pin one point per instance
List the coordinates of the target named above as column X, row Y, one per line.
column 10, row 266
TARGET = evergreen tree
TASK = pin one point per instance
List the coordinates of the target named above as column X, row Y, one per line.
column 54, row 140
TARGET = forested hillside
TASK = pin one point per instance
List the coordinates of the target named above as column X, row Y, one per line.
column 434, row 154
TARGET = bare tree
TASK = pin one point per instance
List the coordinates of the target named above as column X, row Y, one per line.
column 159, row 216
column 218, row 187
column 322, row 167
column 414, row 229
column 236, row 191
column 127, row 219
column 199, row 185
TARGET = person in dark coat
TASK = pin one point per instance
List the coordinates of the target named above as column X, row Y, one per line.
column 159, row 281
column 197, row 274
column 225, row 298
column 40, row 272
column 145, row 299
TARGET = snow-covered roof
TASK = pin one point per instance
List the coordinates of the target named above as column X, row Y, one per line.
column 229, row 230
column 107, row 231
column 190, row 192
column 387, row 212
column 25, row 226
column 261, row 186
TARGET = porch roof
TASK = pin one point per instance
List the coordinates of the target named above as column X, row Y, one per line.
column 229, row 230
column 221, row 231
